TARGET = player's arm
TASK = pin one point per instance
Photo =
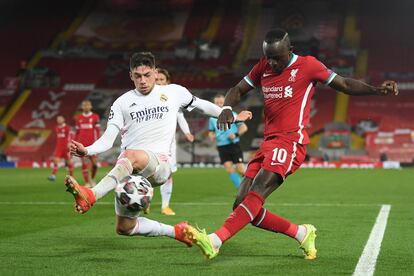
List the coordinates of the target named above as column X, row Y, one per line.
column 185, row 128
column 233, row 95
column 103, row 144
column 358, row 88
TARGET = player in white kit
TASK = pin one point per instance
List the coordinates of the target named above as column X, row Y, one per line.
column 146, row 117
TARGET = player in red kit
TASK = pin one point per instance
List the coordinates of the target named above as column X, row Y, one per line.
column 88, row 130
column 287, row 82
column 63, row 136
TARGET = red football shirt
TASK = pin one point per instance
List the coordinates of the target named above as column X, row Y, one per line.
column 87, row 128
column 287, row 95
column 63, row 135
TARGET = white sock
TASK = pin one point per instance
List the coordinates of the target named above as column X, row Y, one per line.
column 215, row 240
column 300, row 235
column 122, row 169
column 166, row 190
column 152, row 228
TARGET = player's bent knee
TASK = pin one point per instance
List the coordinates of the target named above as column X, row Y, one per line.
column 138, row 158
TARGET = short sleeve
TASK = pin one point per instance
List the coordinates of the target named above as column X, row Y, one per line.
column 115, row 115
column 184, row 97
column 254, row 76
column 319, row 72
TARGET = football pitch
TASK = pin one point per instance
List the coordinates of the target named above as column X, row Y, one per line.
column 40, row 234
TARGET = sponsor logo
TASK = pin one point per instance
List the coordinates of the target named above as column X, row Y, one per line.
column 277, row 92
column 293, row 73
column 266, row 75
column 288, row 92
column 149, row 114
column 133, row 104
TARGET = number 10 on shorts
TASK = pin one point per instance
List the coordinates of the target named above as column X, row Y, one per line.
column 279, row 156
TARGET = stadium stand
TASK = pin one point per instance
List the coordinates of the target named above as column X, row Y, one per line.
column 208, row 46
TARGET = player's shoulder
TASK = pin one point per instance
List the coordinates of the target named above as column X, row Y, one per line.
column 308, row 59
column 126, row 96
column 173, row 87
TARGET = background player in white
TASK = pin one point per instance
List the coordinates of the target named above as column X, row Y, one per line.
column 164, row 78
column 146, row 117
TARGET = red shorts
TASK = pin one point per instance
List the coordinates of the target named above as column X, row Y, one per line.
column 62, row 152
column 278, row 155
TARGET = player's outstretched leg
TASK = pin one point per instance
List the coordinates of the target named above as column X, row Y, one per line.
column 84, row 197
column 140, row 226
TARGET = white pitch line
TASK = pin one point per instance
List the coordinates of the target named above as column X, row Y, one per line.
column 198, row 204
column 368, row 259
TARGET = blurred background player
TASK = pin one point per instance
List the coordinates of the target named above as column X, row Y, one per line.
column 227, row 142
column 88, row 130
column 63, row 136
column 163, row 78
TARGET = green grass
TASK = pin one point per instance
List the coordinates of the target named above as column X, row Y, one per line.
column 50, row 239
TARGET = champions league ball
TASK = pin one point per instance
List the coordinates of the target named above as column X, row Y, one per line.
column 134, row 192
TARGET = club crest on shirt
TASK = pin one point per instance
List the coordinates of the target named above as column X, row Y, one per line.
column 293, row 73
column 163, row 98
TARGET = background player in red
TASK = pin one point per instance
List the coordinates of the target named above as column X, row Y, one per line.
column 287, row 82
column 63, row 136
column 88, row 130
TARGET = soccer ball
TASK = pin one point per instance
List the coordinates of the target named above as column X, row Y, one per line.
column 134, row 192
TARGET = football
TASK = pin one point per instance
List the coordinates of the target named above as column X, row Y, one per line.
column 135, row 192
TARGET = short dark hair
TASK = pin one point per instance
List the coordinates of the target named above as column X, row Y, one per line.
column 276, row 35
column 142, row 58
column 165, row 73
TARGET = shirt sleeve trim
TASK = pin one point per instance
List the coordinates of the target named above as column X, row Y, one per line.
column 331, row 77
column 249, row 81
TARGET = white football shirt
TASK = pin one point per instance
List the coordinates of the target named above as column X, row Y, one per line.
column 149, row 121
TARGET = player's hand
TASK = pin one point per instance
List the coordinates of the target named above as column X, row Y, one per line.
column 225, row 119
column 77, row 149
column 388, row 87
column 189, row 137
column 244, row 116
column 232, row 136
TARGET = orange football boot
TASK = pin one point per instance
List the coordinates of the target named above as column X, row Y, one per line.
column 84, row 197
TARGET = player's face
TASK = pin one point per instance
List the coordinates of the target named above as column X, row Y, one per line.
column 86, row 107
column 277, row 55
column 161, row 79
column 60, row 120
column 143, row 78
column 219, row 101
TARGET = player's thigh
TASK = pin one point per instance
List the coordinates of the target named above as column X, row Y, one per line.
column 240, row 168
column 243, row 191
column 282, row 156
column 266, row 182
column 125, row 218
column 228, row 166
column 155, row 167
column 124, row 225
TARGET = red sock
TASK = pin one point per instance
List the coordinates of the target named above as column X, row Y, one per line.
column 85, row 172
column 241, row 216
column 93, row 171
column 55, row 168
column 274, row 223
